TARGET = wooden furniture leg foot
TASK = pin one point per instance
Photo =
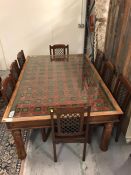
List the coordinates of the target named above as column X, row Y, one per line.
column 106, row 136
column 54, row 150
column 90, row 131
column 45, row 134
column 43, row 131
column 118, row 130
column 84, row 152
column 19, row 144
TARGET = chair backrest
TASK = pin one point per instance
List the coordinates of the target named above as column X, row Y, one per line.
column 0, row 86
column 108, row 73
column 122, row 92
column 7, row 88
column 99, row 61
column 69, row 121
column 14, row 71
column 59, row 52
column 21, row 58
column 0, row 82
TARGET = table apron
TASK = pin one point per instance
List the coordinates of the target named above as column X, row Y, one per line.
column 47, row 123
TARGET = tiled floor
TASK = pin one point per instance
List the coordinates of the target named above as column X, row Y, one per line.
column 39, row 161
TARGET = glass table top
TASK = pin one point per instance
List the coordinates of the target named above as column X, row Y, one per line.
column 47, row 84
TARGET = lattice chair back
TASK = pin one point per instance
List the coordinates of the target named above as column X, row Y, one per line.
column 59, row 52
column 70, row 121
column 21, row 58
column 99, row 61
column 122, row 92
column 108, row 73
column 7, row 89
column 69, row 125
column 14, row 71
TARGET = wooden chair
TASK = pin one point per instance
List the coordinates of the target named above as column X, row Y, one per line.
column 68, row 127
column 122, row 94
column 21, row 59
column 2, row 101
column 2, row 109
column 59, row 52
column 3, row 105
column 14, row 71
column 99, row 61
column 8, row 88
column 108, row 73
column 0, row 86
column 0, row 82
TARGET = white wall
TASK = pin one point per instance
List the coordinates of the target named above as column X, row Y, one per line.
column 2, row 59
column 32, row 25
column 128, row 134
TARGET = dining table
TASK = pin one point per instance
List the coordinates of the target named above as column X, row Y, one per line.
column 44, row 84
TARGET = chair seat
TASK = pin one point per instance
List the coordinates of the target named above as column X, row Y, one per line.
column 71, row 139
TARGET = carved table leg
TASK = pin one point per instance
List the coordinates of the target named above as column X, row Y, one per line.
column 106, row 136
column 19, row 144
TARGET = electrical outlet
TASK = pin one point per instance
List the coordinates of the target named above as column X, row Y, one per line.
column 81, row 25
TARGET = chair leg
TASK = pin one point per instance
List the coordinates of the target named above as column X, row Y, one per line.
column 84, row 151
column 54, row 150
column 45, row 134
column 43, row 131
column 118, row 132
column 112, row 131
column 90, row 131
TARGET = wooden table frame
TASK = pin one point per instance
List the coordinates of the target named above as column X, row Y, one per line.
column 108, row 118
